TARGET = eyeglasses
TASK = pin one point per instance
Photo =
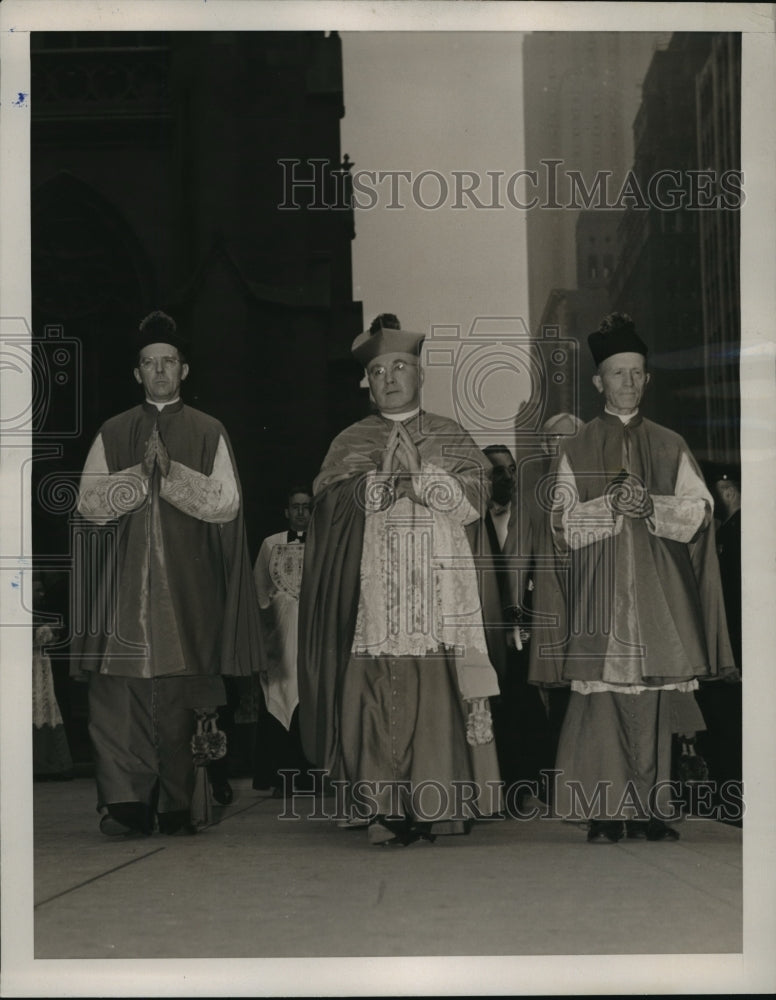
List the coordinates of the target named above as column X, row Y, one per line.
column 148, row 364
column 377, row 371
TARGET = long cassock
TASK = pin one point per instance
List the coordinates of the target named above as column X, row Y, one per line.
column 278, row 577
column 167, row 597
column 646, row 618
column 393, row 665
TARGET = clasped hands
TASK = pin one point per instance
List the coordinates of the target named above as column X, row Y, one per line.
column 627, row 495
column 155, row 452
column 401, row 458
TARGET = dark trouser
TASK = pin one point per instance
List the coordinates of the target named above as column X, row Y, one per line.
column 278, row 749
column 720, row 745
column 522, row 730
column 141, row 731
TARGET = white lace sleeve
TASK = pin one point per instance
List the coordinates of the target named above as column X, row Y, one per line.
column 577, row 523
column 212, row 498
column 104, row 496
column 679, row 517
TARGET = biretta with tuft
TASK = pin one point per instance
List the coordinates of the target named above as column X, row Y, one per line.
column 616, row 335
column 159, row 328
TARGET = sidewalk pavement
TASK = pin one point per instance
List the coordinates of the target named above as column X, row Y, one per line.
column 256, row 885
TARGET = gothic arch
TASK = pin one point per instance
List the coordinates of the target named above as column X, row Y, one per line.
column 86, row 259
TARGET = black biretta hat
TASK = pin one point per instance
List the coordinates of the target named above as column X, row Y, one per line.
column 159, row 328
column 616, row 335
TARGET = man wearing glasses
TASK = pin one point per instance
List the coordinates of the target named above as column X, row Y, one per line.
column 394, row 675
column 172, row 603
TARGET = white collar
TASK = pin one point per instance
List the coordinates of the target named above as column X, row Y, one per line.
column 398, row 417
column 161, row 406
column 624, row 417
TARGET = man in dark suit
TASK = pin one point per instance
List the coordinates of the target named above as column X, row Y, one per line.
column 720, row 744
column 519, row 718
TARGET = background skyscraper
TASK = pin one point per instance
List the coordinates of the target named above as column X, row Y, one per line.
column 677, row 271
column 581, row 93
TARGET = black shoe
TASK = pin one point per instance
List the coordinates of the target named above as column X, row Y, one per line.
column 636, row 829
column 658, row 830
column 176, row 823
column 111, row 827
column 384, row 832
column 423, row 832
column 604, row 831
column 127, row 817
column 222, row 792
column 185, row 830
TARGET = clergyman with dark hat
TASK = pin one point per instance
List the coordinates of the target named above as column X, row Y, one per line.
column 170, row 601
column 646, row 619
column 394, row 675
